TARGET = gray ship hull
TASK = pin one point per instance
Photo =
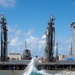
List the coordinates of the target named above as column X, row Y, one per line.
column 10, row 72
column 21, row 72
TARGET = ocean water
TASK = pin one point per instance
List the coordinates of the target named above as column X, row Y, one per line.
column 31, row 70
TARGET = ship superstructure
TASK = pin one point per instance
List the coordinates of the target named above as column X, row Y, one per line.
column 26, row 53
column 73, row 38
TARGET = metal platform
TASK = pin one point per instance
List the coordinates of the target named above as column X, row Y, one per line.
column 15, row 62
column 62, row 62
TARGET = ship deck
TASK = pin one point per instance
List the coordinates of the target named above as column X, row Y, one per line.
column 58, row 65
column 14, row 65
column 26, row 62
column 22, row 64
column 62, row 62
column 15, row 62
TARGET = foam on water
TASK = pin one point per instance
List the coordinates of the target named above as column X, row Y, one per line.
column 31, row 70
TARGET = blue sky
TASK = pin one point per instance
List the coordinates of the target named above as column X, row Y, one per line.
column 27, row 21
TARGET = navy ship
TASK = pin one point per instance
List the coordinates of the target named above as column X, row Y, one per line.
column 49, row 64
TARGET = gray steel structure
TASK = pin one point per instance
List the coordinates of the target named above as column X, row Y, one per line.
column 50, row 40
column 26, row 62
column 26, row 53
column 73, row 38
column 16, row 62
column 3, row 38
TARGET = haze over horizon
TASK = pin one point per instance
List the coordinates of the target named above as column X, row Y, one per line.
column 27, row 20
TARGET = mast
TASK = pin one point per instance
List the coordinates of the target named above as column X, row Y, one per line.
column 50, row 40
column 3, row 38
column 25, row 45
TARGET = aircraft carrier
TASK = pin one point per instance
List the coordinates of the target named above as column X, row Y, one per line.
column 49, row 64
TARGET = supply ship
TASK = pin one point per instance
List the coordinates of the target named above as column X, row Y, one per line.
column 49, row 64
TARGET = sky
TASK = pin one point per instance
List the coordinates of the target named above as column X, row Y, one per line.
column 27, row 20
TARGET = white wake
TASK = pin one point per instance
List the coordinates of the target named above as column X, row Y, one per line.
column 31, row 70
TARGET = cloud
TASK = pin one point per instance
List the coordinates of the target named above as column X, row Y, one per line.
column 17, row 38
column 64, row 46
column 14, row 31
column 18, row 32
column 15, row 42
column 10, row 29
column 36, row 45
column 29, row 32
column 8, row 3
column 32, row 40
column 44, row 36
column 42, row 44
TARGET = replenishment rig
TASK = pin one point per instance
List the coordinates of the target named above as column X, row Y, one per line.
column 5, row 63
column 55, row 63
